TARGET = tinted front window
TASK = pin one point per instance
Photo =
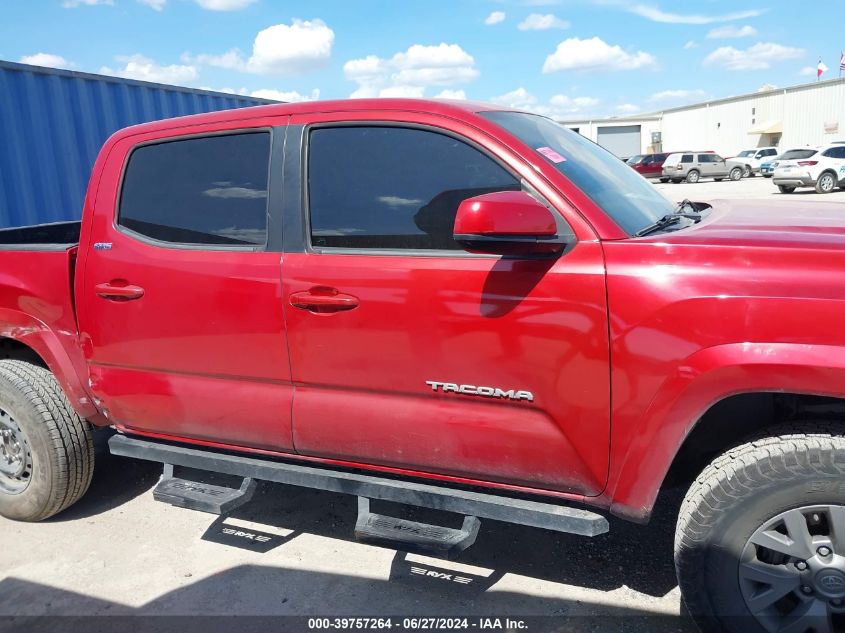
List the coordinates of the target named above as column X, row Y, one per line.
column 393, row 187
column 210, row 190
column 619, row 191
column 835, row 152
column 635, row 160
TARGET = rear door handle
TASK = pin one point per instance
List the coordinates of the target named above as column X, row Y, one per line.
column 323, row 299
column 118, row 291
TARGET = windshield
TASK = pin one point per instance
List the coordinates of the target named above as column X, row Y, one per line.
column 619, row 191
column 797, row 153
column 748, row 152
column 634, row 160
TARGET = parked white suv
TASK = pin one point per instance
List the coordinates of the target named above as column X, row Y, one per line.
column 752, row 158
column 823, row 169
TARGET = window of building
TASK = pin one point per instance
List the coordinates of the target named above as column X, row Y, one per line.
column 210, row 190
column 387, row 187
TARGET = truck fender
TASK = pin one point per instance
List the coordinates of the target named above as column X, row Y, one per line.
column 700, row 381
column 26, row 329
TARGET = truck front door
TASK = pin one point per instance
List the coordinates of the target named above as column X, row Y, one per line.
column 180, row 301
column 407, row 351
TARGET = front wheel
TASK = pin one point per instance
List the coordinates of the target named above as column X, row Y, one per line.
column 718, row 179
column 746, row 172
column 664, row 180
column 760, row 540
column 785, row 189
column 736, row 173
column 693, row 176
column 46, row 449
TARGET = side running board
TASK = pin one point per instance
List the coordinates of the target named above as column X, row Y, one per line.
column 472, row 504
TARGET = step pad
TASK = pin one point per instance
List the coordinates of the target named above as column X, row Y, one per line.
column 414, row 535
column 201, row 496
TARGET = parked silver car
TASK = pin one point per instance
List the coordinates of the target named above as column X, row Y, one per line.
column 692, row 166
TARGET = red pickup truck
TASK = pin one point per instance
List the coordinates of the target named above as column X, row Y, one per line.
column 452, row 306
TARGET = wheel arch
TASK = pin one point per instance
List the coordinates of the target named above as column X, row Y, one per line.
column 709, row 380
column 23, row 337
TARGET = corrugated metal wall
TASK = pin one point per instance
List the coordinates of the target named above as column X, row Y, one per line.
column 52, row 123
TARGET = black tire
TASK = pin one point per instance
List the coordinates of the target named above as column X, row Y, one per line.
column 794, row 467
column 676, row 181
column 693, row 176
column 718, row 179
column 786, row 189
column 826, row 182
column 736, row 173
column 664, row 180
column 57, row 443
column 746, row 172
column 767, row 175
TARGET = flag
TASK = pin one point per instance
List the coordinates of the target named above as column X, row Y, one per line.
column 821, row 69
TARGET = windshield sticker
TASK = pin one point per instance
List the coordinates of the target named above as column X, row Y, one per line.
column 552, row 155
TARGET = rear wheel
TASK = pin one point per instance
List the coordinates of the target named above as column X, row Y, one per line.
column 786, row 189
column 760, row 541
column 664, row 180
column 693, row 176
column 736, row 173
column 718, row 179
column 46, row 449
column 826, row 183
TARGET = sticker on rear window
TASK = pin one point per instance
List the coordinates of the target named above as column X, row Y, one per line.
column 552, row 155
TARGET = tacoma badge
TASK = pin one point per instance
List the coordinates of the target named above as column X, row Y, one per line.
column 487, row 392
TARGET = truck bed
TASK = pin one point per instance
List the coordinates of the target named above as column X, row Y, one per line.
column 56, row 236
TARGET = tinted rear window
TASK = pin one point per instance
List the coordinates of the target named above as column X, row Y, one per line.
column 686, row 158
column 210, row 190
column 797, row 153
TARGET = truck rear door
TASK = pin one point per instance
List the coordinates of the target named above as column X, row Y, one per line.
column 409, row 352
column 180, row 300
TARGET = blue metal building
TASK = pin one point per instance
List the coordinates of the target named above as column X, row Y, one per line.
column 53, row 122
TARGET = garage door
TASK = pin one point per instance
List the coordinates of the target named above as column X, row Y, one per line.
column 622, row 140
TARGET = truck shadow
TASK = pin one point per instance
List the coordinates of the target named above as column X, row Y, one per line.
column 629, row 555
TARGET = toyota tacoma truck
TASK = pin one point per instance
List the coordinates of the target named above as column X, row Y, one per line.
column 447, row 305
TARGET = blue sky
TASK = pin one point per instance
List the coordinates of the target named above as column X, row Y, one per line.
column 559, row 57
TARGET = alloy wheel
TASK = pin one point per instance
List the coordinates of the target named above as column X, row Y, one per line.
column 15, row 456
column 792, row 571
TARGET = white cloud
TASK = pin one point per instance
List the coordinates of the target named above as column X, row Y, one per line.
column 46, row 59
column 495, row 18
column 291, row 96
column 281, row 49
column 809, row 71
column 757, row 57
column 656, row 15
column 155, row 5
column 731, row 32
column 627, row 108
column 595, row 54
column 690, row 44
column 72, row 4
column 677, row 95
column 451, row 94
column 145, row 69
column 408, row 73
column 224, row 5
column 540, row 22
column 558, row 106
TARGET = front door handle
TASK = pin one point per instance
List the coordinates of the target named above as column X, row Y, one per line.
column 323, row 299
column 118, row 290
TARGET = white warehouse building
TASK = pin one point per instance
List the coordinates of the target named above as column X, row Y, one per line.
column 808, row 114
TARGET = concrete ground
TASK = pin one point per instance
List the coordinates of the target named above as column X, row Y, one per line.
column 756, row 187
column 118, row 552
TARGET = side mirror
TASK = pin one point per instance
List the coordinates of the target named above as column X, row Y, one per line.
column 508, row 223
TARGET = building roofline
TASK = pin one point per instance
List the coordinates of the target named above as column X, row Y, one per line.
column 655, row 115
